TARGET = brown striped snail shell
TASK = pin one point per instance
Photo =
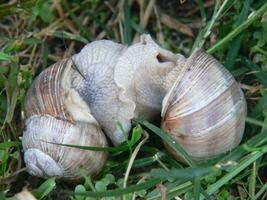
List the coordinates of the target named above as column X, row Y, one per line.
column 56, row 114
column 205, row 109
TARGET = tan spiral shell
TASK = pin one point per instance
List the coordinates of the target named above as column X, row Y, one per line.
column 205, row 109
column 57, row 114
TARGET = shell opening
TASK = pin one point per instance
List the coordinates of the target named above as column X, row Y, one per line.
column 40, row 164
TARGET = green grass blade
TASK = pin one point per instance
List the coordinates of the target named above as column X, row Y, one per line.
column 238, row 30
column 180, row 189
column 44, row 189
column 264, row 129
column 196, row 188
column 123, row 147
column 203, row 34
column 127, row 23
column 95, row 17
column 202, row 10
column 256, row 122
column 260, row 107
column 5, row 57
column 255, row 141
column 239, row 71
column 69, row 36
column 181, row 174
column 260, row 74
column 252, row 181
column 178, row 149
column 11, row 107
column 45, row 54
column 83, row 30
column 2, row 196
column 235, row 171
column 260, row 192
column 204, row 193
column 8, row 9
column 236, row 44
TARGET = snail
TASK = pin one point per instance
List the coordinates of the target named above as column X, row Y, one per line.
column 79, row 99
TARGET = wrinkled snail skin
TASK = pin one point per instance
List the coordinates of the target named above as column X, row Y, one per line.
column 122, row 82
column 205, row 109
column 144, row 73
column 56, row 114
column 96, row 62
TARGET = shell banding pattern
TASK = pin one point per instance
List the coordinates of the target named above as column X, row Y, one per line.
column 205, row 109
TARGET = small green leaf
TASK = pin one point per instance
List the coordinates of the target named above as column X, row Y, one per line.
column 223, row 195
column 100, row 186
column 46, row 13
column 105, row 181
column 79, row 188
column 111, row 178
column 5, row 145
column 118, row 192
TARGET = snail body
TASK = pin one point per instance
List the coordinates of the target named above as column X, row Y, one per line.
column 119, row 86
column 201, row 105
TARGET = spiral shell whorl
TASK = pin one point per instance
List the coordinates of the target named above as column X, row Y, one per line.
column 45, row 159
column 47, row 93
column 205, row 109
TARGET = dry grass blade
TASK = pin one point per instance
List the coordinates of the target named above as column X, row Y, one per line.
column 175, row 25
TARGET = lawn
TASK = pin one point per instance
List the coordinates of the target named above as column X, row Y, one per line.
column 36, row 34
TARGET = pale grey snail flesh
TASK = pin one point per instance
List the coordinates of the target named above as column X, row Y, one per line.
column 108, row 83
